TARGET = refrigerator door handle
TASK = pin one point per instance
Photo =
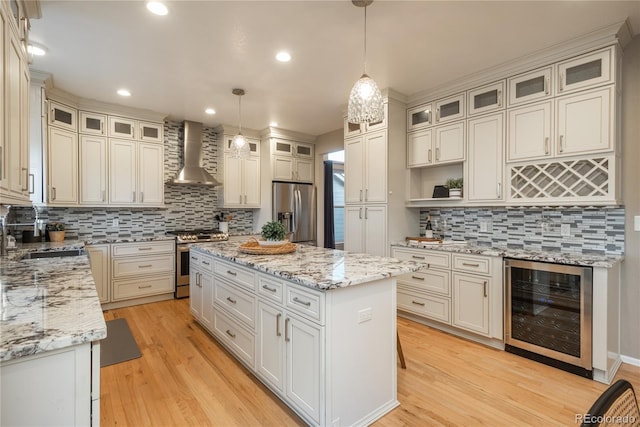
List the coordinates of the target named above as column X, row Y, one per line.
column 297, row 207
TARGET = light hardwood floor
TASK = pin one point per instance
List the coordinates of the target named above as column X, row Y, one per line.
column 186, row 378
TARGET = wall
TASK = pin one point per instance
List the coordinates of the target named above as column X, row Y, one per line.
column 630, row 316
column 186, row 206
column 325, row 144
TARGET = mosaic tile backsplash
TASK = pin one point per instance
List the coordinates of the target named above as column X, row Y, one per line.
column 186, row 206
column 591, row 230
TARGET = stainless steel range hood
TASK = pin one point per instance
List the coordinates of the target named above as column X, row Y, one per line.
column 192, row 171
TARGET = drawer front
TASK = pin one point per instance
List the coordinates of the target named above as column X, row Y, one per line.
column 305, row 302
column 146, row 286
column 436, row 281
column 238, row 340
column 432, row 258
column 235, row 301
column 143, row 265
column 201, row 261
column 433, row 307
column 471, row 264
column 236, row 274
column 144, row 248
column 272, row 289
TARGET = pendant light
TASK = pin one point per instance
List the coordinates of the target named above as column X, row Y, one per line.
column 239, row 144
column 365, row 101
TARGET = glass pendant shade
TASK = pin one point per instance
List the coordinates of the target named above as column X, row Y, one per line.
column 365, row 102
column 239, row 146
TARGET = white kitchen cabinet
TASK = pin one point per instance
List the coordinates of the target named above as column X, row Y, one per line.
column 62, row 166
column 586, row 71
column 254, row 145
column 450, row 108
column 485, row 162
column 150, row 171
column 419, row 117
column 99, row 258
column 471, row 303
column 365, row 229
column 201, row 289
column 121, row 127
column 486, row 98
column 354, row 129
column 291, row 161
column 136, row 172
column 449, row 143
column 150, row 132
column 241, row 182
column 93, row 170
column 366, row 174
column 63, row 116
column 532, row 86
column 530, row 130
column 419, row 148
column 93, row 123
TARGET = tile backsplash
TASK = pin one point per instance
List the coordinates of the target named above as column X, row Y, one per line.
column 591, row 230
column 186, row 206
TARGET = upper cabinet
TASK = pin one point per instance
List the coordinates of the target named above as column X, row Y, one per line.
column 291, row 161
column 93, row 123
column 486, row 99
column 585, row 71
column 63, row 116
column 450, row 108
column 529, row 87
column 419, row 117
column 354, row 129
column 241, row 176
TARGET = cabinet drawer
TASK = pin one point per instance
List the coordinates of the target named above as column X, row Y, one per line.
column 471, row 264
column 238, row 340
column 134, row 266
column 305, row 302
column 436, row 281
column 431, row 258
column 236, row 302
column 144, row 286
column 202, row 261
column 433, row 307
column 271, row 289
column 236, row 274
column 145, row 248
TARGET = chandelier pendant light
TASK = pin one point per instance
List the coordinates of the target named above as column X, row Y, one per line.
column 239, row 144
column 365, row 101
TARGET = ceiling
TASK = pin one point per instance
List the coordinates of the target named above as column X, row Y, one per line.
column 192, row 58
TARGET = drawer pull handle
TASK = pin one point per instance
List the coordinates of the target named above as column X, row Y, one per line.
column 231, row 334
column 417, row 277
column 484, row 285
column 145, row 249
column 144, row 287
column 145, row 266
column 205, row 263
column 278, row 333
column 286, row 330
column 470, row 264
column 421, row 304
column 233, row 273
column 417, row 257
column 231, row 300
column 299, row 301
column 269, row 289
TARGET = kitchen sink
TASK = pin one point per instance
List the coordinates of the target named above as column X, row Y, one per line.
column 53, row 254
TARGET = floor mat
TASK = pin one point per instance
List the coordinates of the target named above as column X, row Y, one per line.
column 119, row 345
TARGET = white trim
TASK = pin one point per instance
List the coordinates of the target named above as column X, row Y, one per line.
column 630, row 360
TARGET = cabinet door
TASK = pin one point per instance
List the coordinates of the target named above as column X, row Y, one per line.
column 251, row 181
column 484, row 168
column 283, row 148
column 532, row 86
column 530, row 132
column 354, row 232
column 304, row 170
column 150, row 174
column 120, row 127
column 471, row 303
column 375, row 230
column 63, row 166
column 304, row 151
column 303, row 365
column 3, row 143
column 585, row 71
column 232, row 181
column 122, row 171
column 449, row 109
column 487, row 98
column 419, row 149
column 99, row 260
column 26, row 184
column 585, row 122
column 449, row 143
column 382, row 124
column 282, row 168
column 150, row 132
column 270, row 334
column 354, row 162
column 195, row 292
column 206, row 300
column 92, row 123
column 352, row 129
column 419, row 117
column 93, row 170
column 375, row 188
column 16, row 176
column 62, row 116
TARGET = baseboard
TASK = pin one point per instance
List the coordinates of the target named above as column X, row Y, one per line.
column 630, row 360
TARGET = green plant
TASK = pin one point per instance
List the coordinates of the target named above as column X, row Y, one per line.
column 274, row 230
column 453, row 183
column 55, row 226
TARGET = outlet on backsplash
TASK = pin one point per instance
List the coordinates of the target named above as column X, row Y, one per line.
column 115, row 223
column 565, row 230
column 485, row 226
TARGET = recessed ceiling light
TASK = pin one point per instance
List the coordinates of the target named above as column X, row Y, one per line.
column 210, row 111
column 124, row 92
column 36, row 50
column 157, row 8
column 273, row 124
column 283, row 56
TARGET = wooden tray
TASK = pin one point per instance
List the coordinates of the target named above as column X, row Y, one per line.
column 253, row 247
column 424, row 239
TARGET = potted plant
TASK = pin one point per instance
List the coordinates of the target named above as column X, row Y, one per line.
column 56, row 231
column 455, row 187
column 273, row 233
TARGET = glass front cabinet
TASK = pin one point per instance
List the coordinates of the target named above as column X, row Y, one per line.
column 487, row 98
column 450, row 109
column 531, row 86
column 585, row 71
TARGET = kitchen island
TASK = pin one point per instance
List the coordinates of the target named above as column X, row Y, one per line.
column 317, row 326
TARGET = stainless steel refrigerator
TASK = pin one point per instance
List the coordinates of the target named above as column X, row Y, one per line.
column 294, row 205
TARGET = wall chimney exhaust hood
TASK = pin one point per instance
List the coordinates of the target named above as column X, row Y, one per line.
column 192, row 172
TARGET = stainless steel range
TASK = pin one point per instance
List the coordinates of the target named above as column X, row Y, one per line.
column 183, row 239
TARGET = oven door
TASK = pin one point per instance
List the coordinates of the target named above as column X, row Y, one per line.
column 182, row 271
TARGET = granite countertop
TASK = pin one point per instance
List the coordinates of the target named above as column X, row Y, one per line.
column 314, row 267
column 605, row 261
column 47, row 304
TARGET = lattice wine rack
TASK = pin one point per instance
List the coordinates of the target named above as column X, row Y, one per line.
column 567, row 180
